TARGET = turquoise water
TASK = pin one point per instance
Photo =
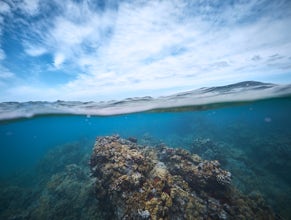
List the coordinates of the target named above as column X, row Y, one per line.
column 252, row 141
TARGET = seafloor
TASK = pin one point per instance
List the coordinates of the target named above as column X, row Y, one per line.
column 140, row 179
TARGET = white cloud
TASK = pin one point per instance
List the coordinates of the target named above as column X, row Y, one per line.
column 30, row 7
column 142, row 51
column 4, row 11
column 5, row 73
column 4, row 8
column 2, row 54
column 144, row 47
column 35, row 51
column 69, row 34
column 58, row 60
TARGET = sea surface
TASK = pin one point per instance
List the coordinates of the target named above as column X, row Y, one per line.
column 45, row 146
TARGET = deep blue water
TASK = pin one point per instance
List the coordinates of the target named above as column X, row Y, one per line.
column 252, row 139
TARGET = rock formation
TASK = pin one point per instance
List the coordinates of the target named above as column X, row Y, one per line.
column 138, row 182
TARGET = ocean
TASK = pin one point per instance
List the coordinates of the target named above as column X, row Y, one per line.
column 45, row 148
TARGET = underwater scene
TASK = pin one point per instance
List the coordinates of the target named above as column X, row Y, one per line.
column 145, row 110
column 222, row 159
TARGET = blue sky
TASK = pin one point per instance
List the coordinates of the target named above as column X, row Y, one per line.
column 103, row 50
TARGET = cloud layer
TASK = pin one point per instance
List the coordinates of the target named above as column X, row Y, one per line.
column 83, row 50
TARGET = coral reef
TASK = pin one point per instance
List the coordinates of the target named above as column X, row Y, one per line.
column 258, row 165
column 60, row 188
column 136, row 182
column 67, row 195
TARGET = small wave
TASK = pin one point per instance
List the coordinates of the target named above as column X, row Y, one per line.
column 203, row 98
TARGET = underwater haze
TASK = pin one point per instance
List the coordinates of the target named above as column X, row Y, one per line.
column 45, row 147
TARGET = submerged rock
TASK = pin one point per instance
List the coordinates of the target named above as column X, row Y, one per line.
column 135, row 182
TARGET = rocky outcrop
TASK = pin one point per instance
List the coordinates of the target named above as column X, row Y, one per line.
column 136, row 182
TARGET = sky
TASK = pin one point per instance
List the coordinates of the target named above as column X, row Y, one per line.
column 93, row 50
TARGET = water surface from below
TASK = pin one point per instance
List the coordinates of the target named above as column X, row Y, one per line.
column 252, row 141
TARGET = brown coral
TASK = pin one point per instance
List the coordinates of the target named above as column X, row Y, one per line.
column 136, row 182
